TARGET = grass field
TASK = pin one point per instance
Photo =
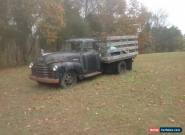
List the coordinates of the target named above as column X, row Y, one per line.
column 152, row 95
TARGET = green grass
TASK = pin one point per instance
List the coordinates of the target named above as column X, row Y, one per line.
column 152, row 95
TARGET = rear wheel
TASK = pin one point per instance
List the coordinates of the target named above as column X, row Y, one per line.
column 129, row 64
column 68, row 79
column 121, row 67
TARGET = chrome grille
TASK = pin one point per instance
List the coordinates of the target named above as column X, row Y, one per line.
column 43, row 71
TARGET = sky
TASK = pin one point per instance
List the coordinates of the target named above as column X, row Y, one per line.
column 174, row 8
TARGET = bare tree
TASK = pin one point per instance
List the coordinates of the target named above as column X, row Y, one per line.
column 159, row 18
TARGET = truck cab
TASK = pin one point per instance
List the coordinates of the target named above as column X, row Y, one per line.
column 88, row 51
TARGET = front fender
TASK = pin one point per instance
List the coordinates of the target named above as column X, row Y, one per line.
column 70, row 66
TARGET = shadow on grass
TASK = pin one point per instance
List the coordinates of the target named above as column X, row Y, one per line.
column 46, row 87
column 87, row 80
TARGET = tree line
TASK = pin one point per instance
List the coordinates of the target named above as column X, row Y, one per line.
column 27, row 26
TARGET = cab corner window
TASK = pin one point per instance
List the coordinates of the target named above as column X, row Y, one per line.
column 90, row 46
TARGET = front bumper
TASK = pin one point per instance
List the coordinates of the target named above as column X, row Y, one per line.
column 44, row 80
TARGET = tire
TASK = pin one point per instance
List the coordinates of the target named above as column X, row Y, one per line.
column 121, row 67
column 68, row 79
column 129, row 64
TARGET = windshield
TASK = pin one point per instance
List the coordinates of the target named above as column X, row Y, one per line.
column 72, row 46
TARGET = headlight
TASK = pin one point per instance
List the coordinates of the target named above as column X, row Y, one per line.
column 31, row 65
column 55, row 68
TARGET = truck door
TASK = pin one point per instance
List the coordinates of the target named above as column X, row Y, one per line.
column 91, row 59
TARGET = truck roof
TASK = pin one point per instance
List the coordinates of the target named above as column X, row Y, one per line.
column 81, row 40
column 110, row 38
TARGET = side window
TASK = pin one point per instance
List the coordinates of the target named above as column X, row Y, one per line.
column 75, row 47
column 88, row 46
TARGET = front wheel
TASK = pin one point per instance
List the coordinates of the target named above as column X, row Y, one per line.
column 68, row 79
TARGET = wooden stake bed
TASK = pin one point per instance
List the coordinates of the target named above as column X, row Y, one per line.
column 118, row 48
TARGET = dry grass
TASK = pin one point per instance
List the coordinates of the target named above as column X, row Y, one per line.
column 152, row 95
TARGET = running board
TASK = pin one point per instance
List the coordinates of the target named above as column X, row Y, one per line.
column 92, row 74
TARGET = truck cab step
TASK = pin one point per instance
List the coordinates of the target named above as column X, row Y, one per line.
column 92, row 74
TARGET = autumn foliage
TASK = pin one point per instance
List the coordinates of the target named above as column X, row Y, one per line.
column 52, row 13
column 26, row 26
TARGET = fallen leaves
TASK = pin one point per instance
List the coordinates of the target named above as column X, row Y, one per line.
column 35, row 108
column 171, row 119
column 38, row 108
column 28, row 126
column 29, row 109
column 137, row 97
column 139, row 118
column 88, row 109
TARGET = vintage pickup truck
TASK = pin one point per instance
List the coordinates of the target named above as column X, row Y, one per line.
column 82, row 58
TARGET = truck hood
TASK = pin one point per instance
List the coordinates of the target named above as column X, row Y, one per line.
column 58, row 57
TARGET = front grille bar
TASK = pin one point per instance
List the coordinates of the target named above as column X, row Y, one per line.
column 43, row 71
